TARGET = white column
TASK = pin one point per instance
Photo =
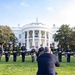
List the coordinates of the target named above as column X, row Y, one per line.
column 23, row 39
column 45, row 39
column 33, row 38
column 27, row 39
column 39, row 37
column 24, row 36
column 49, row 39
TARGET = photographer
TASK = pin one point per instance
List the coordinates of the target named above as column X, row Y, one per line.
column 47, row 62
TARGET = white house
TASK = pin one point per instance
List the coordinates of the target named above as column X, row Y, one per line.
column 34, row 34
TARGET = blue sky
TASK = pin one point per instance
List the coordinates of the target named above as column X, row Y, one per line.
column 14, row 12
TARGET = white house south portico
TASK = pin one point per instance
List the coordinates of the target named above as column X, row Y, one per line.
column 34, row 34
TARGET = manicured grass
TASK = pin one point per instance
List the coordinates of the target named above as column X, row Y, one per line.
column 29, row 68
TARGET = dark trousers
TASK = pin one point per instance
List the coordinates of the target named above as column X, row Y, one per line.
column 68, row 57
column 23, row 57
column 60, row 57
column 14, row 57
column 6, row 57
column 33, row 58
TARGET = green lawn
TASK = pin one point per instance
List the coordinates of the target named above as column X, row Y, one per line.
column 29, row 68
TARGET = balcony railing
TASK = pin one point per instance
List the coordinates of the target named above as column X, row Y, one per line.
column 36, row 36
column 42, row 37
column 30, row 36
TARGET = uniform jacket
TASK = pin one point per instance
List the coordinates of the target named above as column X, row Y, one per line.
column 15, row 49
column 59, row 49
column 7, row 49
column 23, row 48
column 33, row 51
column 0, row 49
column 46, row 64
column 68, row 49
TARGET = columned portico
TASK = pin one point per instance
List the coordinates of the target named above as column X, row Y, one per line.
column 34, row 34
column 36, row 37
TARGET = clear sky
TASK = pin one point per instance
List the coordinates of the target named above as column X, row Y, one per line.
column 14, row 12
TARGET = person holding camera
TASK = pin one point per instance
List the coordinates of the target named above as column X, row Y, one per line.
column 47, row 62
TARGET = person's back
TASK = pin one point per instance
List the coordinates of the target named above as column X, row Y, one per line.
column 46, row 64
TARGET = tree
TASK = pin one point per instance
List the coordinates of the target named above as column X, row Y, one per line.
column 65, row 36
column 13, row 39
column 6, row 34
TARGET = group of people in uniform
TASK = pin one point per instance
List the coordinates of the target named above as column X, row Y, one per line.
column 60, row 50
column 35, row 52
column 14, row 51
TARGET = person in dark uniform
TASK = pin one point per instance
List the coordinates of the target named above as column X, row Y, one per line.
column 46, row 63
column 59, row 50
column 15, row 49
column 41, row 50
column 37, row 51
column 0, row 51
column 23, row 48
column 33, row 54
column 68, row 50
column 7, row 53
column 51, row 47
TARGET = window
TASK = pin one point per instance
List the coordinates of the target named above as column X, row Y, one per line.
column 36, row 34
column 30, row 34
column 30, row 44
column 47, row 44
column 42, row 35
column 25, row 34
column 19, row 44
column 47, row 36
